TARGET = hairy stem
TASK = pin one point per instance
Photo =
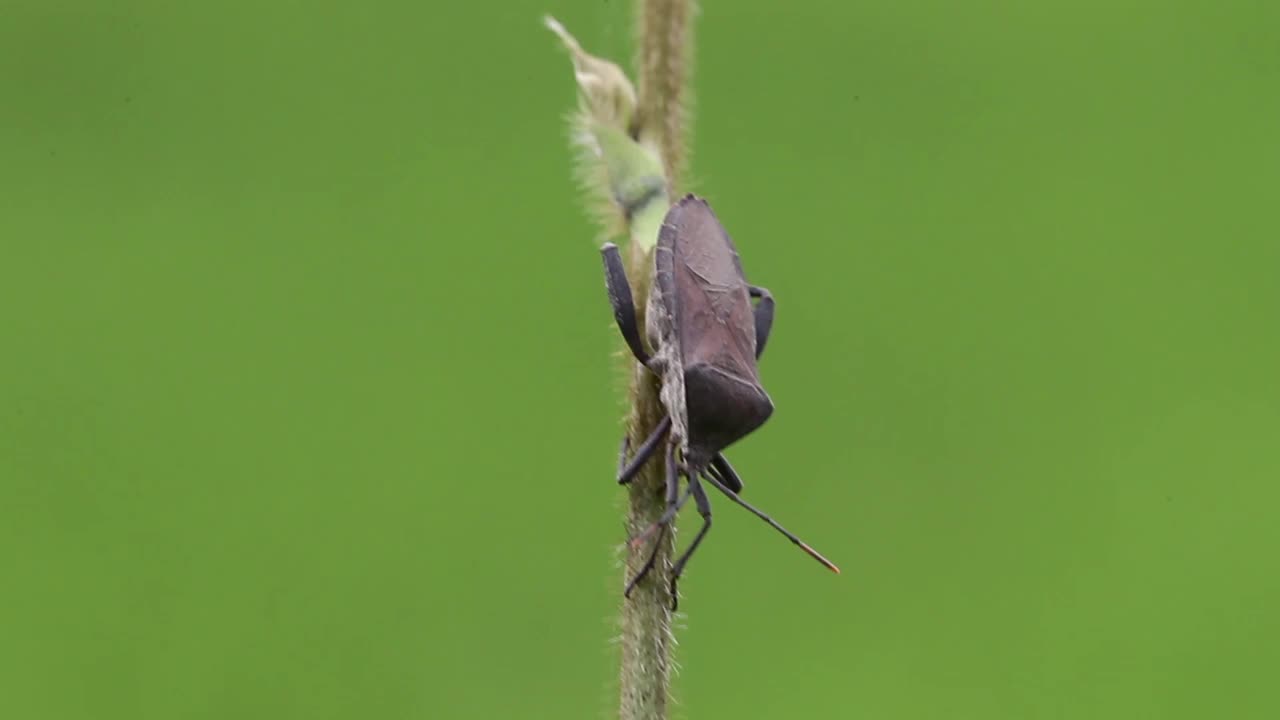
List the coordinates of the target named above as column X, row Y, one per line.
column 662, row 119
column 645, row 671
column 665, row 37
column 631, row 154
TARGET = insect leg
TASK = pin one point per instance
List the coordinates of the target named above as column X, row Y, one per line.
column 648, row 564
column 725, row 473
column 628, row 472
column 704, row 509
column 673, row 504
column 764, row 316
column 624, row 307
column 671, row 511
column 772, row 523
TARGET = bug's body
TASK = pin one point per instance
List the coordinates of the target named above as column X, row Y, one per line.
column 701, row 322
column 706, row 338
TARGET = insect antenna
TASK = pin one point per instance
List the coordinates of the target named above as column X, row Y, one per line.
column 803, row 545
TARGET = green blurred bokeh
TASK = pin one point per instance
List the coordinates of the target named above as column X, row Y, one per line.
column 307, row 408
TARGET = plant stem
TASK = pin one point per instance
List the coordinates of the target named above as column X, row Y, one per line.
column 645, row 671
column 665, row 60
column 665, row 37
column 632, row 154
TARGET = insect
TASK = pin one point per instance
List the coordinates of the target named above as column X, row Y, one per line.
column 706, row 338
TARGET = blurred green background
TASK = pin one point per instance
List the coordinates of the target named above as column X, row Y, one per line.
column 307, row 408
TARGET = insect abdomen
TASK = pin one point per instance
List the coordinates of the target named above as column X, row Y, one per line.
column 722, row 408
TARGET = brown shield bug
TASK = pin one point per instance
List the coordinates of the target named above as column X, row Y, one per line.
column 706, row 338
